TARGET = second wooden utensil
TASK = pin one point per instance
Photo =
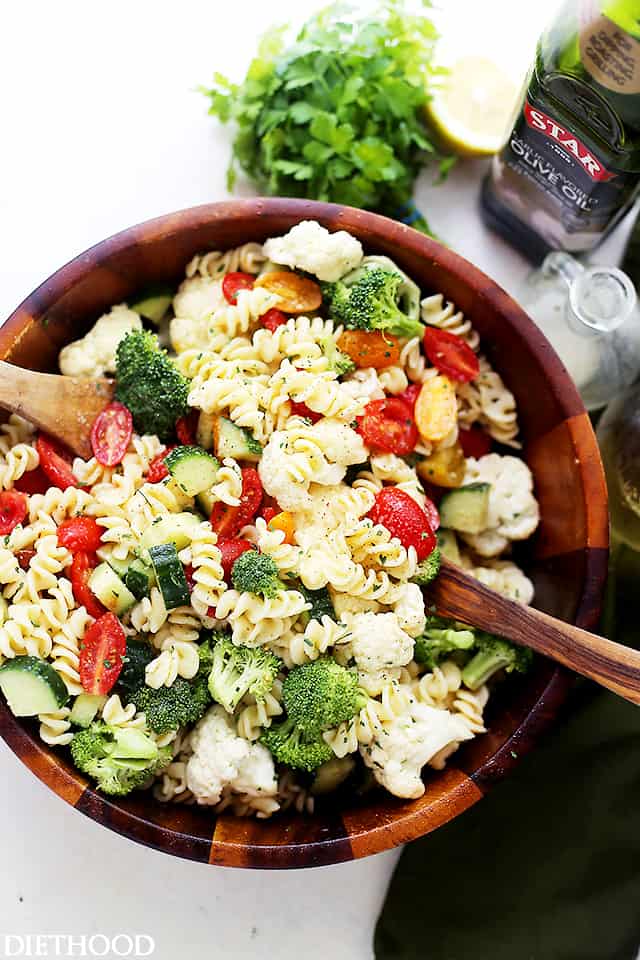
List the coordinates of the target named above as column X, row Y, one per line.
column 456, row 594
column 64, row 407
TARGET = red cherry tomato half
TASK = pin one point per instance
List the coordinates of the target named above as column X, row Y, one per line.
column 388, row 425
column 55, row 460
column 80, row 533
column 157, row 468
column 102, row 650
column 186, row 429
column 188, row 575
column 81, row 569
column 475, row 442
column 404, row 519
column 229, row 521
column 111, row 433
column 410, row 395
column 231, row 550
column 24, row 558
column 34, row 481
column 233, row 283
column 273, row 319
column 302, row 410
column 451, row 355
column 433, row 515
column 13, row 510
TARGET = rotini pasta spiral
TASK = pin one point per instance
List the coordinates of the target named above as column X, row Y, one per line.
column 319, row 391
column 248, row 258
column 55, row 728
column 65, row 650
column 208, row 575
column 438, row 313
column 233, row 319
column 16, row 462
column 257, row 715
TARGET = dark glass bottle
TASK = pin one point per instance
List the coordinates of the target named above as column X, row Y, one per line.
column 571, row 166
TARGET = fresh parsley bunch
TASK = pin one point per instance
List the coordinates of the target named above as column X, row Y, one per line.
column 340, row 114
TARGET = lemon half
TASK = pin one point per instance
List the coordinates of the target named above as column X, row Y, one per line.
column 473, row 108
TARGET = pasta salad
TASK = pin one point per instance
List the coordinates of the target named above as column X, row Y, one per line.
column 224, row 603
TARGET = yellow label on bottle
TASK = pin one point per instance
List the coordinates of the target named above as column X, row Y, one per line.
column 610, row 55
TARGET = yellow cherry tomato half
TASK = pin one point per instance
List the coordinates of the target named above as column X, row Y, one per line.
column 295, row 294
column 436, row 410
column 445, row 467
column 375, row 349
column 284, row 521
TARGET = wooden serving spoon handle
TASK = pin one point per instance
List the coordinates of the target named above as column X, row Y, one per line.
column 614, row 666
column 65, row 407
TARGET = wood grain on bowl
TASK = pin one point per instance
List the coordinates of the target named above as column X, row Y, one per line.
column 567, row 561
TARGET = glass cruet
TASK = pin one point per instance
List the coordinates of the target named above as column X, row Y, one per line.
column 590, row 316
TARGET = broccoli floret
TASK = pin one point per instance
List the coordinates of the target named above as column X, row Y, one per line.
column 493, row 654
column 168, row 708
column 320, row 695
column 338, row 361
column 237, row 671
column 321, row 605
column 255, row 572
column 429, row 569
column 149, row 384
column 440, row 638
column 118, row 759
column 289, row 746
column 371, row 303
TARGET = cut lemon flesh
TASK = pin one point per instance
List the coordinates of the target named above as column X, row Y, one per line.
column 472, row 110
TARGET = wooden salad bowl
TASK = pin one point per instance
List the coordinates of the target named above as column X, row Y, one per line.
column 567, row 559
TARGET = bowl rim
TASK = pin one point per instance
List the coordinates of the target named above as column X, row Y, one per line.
column 72, row 787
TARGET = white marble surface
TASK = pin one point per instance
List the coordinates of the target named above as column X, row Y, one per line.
column 101, row 128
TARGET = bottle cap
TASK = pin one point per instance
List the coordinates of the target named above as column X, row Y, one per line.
column 602, row 297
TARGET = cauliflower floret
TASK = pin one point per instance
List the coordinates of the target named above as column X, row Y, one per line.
column 284, row 470
column 221, row 759
column 345, row 603
column 363, row 384
column 197, row 297
column 378, row 641
column 410, row 740
column 503, row 576
column 95, row 354
column 513, row 509
column 409, row 610
column 309, row 246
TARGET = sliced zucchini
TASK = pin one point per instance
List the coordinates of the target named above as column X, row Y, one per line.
column 205, row 502
column 232, row 441
column 332, row 774
column 110, row 590
column 175, row 528
column 170, row 575
column 119, row 566
column 139, row 579
column 192, row 468
column 85, row 709
column 31, row 686
column 448, row 544
column 154, row 304
column 132, row 676
column 467, row 508
column 204, row 430
column 132, row 744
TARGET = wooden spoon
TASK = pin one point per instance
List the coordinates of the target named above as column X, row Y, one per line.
column 65, row 407
column 614, row 666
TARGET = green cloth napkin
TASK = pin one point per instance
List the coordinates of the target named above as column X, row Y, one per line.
column 547, row 866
